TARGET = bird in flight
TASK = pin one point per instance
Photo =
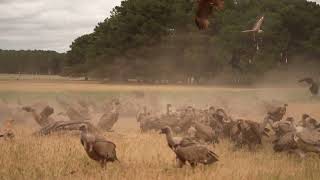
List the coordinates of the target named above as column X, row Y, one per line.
column 205, row 8
column 314, row 87
column 256, row 30
column 257, row 26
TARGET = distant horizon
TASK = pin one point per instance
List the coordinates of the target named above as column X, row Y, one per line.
column 50, row 26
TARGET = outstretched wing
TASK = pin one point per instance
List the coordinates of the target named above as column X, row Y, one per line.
column 307, row 80
column 248, row 31
column 258, row 24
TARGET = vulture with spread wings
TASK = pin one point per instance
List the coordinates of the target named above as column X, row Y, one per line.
column 257, row 26
column 205, row 8
column 314, row 87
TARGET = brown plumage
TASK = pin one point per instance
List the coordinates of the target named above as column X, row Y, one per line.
column 205, row 133
column 308, row 122
column 147, row 121
column 249, row 133
column 7, row 132
column 75, row 115
column 108, row 119
column 65, row 126
column 173, row 142
column 97, row 147
column 43, row 119
column 75, row 111
column 314, row 87
column 194, row 154
column 301, row 141
column 222, row 124
column 7, row 135
column 150, row 121
column 189, row 151
column 283, row 127
column 278, row 113
column 285, row 143
column 308, row 140
column 205, row 8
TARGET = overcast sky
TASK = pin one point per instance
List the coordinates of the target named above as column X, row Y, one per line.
column 49, row 24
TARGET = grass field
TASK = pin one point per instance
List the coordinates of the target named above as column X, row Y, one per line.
column 146, row 156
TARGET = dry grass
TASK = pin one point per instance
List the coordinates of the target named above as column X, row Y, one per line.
column 146, row 156
column 142, row 156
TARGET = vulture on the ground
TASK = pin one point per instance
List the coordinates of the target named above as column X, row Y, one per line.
column 43, row 119
column 108, row 119
column 205, row 133
column 189, row 151
column 276, row 114
column 97, row 147
column 194, row 154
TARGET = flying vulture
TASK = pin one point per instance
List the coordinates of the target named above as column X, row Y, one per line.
column 204, row 10
column 314, row 87
column 257, row 26
column 256, row 29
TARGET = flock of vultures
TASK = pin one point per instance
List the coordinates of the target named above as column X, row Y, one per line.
column 191, row 132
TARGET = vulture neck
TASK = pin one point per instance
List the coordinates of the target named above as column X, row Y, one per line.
column 264, row 124
column 168, row 110
column 84, row 132
column 170, row 138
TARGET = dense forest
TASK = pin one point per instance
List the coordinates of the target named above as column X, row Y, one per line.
column 157, row 39
column 31, row 62
column 153, row 40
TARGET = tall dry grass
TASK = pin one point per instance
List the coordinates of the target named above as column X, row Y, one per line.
column 142, row 156
column 146, row 156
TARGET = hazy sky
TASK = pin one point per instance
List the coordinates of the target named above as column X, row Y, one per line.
column 49, row 24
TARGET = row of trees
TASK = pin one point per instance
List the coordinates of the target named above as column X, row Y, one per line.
column 31, row 62
column 157, row 39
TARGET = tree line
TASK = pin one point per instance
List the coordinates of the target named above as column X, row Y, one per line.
column 157, row 39
column 31, row 62
column 154, row 40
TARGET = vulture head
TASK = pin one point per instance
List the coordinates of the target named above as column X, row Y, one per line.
column 165, row 130
column 27, row 109
column 305, row 116
column 83, row 128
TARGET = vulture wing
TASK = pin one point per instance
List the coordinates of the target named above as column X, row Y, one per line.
column 248, row 31
column 307, row 80
column 258, row 24
column 196, row 154
column 286, row 142
column 105, row 149
column 186, row 142
column 310, row 136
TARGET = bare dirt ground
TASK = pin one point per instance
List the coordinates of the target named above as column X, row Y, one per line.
column 146, row 156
